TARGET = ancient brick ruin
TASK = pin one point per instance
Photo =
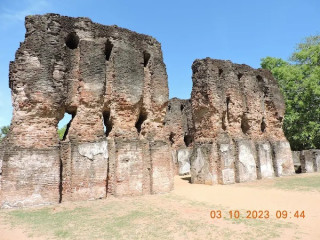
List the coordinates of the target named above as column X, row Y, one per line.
column 126, row 138
column 237, row 113
column 101, row 75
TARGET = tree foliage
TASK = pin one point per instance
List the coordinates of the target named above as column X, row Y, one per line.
column 299, row 80
column 61, row 131
column 3, row 132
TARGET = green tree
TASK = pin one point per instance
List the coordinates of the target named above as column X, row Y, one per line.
column 299, row 81
column 61, row 131
column 3, row 132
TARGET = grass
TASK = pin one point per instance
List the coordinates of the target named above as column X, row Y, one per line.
column 165, row 216
column 301, row 182
column 304, row 183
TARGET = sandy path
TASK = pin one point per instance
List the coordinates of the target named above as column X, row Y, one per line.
column 243, row 197
column 8, row 233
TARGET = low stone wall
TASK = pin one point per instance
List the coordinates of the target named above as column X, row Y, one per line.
column 306, row 161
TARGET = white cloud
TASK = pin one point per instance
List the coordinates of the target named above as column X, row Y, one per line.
column 11, row 15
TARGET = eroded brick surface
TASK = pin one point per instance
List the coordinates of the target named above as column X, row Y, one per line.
column 125, row 137
column 238, row 111
column 114, row 84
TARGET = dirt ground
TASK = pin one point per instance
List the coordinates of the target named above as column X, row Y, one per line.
column 181, row 214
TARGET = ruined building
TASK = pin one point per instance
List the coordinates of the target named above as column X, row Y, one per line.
column 125, row 137
column 237, row 113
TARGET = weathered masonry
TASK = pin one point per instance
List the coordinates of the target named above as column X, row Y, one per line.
column 101, row 75
column 233, row 123
column 126, row 138
column 237, row 113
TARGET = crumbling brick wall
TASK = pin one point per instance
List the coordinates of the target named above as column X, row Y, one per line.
column 237, row 113
column 179, row 123
column 105, row 77
column 125, row 138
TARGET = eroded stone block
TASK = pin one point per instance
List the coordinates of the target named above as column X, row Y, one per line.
column 184, row 160
column 161, row 167
column 265, row 162
column 202, row 169
column 296, row 157
column 310, row 161
column 246, row 161
column 129, row 168
column 34, row 174
column 227, row 161
column 88, row 171
column 282, row 162
column 317, row 160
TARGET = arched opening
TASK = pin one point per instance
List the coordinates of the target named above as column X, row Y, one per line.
column 107, row 122
column 108, row 49
column 220, row 72
column 169, row 107
column 245, row 127
column 146, row 58
column 72, row 40
column 142, row 117
column 63, row 130
column 187, row 140
column 239, row 76
column 263, row 125
column 181, row 107
column 64, row 125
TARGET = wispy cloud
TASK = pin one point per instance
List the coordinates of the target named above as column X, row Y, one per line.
column 26, row 7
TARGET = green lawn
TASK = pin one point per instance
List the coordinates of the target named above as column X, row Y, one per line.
column 303, row 182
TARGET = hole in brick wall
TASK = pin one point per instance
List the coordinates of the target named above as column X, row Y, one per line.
column 220, row 72
column 108, row 50
column 263, row 125
column 240, row 76
column 181, row 107
column 64, row 125
column 72, row 40
column 142, row 117
column 146, row 58
column 187, row 140
column 171, row 137
column 68, row 126
column 107, row 122
column 262, row 85
column 260, row 79
column 228, row 102
column 245, row 127
column 224, row 127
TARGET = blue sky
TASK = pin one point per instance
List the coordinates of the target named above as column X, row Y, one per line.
column 241, row 31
